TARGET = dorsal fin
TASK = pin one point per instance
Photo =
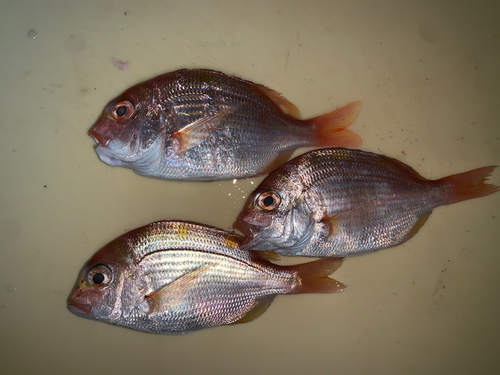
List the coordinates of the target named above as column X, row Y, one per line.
column 279, row 100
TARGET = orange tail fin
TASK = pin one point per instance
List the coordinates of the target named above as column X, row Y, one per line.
column 314, row 276
column 469, row 185
column 331, row 127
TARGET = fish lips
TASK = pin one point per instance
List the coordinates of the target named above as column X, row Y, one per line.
column 79, row 309
column 245, row 228
column 99, row 138
column 253, row 241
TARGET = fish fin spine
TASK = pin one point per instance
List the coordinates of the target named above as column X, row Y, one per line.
column 469, row 185
column 314, row 278
column 331, row 127
column 278, row 99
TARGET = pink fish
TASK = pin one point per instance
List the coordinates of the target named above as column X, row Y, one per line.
column 177, row 277
column 206, row 125
column 339, row 202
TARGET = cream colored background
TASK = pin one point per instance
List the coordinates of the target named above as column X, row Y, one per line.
column 428, row 73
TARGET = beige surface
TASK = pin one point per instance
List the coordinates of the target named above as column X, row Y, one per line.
column 428, row 73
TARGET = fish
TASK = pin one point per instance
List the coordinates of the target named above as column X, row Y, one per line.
column 340, row 202
column 174, row 277
column 196, row 124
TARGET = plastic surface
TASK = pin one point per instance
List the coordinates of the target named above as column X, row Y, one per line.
column 427, row 73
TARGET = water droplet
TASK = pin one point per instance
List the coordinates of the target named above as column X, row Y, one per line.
column 32, row 34
column 11, row 288
column 234, row 181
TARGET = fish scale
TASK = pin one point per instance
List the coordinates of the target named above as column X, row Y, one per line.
column 340, row 202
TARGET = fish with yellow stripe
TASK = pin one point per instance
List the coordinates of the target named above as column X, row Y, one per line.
column 174, row 277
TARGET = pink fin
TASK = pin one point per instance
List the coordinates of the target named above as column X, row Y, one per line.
column 331, row 127
column 469, row 185
column 314, row 276
column 279, row 100
column 196, row 132
column 332, row 223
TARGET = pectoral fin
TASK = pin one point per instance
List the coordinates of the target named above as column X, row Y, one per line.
column 176, row 291
column 196, row 132
column 332, row 222
column 257, row 310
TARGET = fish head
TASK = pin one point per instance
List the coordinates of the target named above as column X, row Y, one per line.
column 130, row 127
column 276, row 216
column 105, row 284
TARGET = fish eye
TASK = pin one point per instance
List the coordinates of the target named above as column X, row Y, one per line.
column 268, row 200
column 123, row 110
column 99, row 276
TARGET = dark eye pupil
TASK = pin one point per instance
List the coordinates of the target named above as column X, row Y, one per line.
column 98, row 278
column 120, row 111
column 268, row 201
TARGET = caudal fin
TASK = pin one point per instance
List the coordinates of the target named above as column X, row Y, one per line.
column 469, row 185
column 314, row 276
column 331, row 127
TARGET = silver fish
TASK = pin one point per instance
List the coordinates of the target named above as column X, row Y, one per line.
column 178, row 277
column 339, row 202
column 205, row 125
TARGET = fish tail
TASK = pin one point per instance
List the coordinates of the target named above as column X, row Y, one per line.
column 331, row 127
column 314, row 278
column 469, row 185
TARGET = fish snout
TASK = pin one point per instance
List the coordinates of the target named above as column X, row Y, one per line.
column 247, row 229
column 78, row 308
column 100, row 138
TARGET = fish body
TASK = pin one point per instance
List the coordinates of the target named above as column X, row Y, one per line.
column 205, row 125
column 340, row 202
column 177, row 277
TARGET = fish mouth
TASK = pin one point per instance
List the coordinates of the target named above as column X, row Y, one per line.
column 251, row 233
column 248, row 230
column 100, row 139
column 79, row 308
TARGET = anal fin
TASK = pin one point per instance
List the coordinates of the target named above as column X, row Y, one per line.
column 257, row 310
column 416, row 227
